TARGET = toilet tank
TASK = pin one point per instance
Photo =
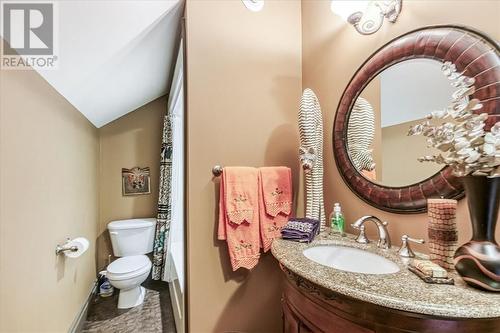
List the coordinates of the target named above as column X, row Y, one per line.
column 132, row 237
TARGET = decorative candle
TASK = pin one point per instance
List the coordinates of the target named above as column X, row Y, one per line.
column 442, row 231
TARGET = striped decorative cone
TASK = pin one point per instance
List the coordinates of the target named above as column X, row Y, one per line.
column 478, row 261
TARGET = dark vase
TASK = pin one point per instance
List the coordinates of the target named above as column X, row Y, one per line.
column 478, row 261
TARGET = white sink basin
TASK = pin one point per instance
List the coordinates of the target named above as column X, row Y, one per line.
column 350, row 259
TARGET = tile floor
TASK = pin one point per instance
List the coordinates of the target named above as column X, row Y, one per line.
column 153, row 316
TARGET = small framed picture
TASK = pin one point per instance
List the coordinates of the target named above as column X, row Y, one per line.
column 135, row 181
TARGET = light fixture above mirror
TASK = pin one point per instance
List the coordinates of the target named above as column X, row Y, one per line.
column 367, row 16
column 254, row 5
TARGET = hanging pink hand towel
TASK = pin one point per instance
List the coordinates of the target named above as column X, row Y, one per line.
column 275, row 202
column 238, row 215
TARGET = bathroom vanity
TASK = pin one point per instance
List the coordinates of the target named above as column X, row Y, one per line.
column 319, row 298
column 338, row 285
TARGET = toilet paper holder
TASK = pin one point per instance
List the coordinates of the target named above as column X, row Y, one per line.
column 65, row 247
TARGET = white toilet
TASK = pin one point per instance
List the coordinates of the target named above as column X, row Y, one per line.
column 131, row 240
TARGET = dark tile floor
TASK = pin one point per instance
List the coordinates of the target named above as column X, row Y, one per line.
column 153, row 316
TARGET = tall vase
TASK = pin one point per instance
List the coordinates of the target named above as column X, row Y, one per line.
column 478, row 261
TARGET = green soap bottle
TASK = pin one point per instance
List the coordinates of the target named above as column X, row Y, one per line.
column 337, row 222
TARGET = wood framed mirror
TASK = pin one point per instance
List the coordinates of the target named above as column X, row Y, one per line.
column 397, row 85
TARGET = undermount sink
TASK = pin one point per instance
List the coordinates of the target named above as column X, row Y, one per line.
column 350, row 259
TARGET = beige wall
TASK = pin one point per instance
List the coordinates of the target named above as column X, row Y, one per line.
column 244, row 86
column 333, row 50
column 400, row 153
column 132, row 140
column 51, row 160
column 49, row 178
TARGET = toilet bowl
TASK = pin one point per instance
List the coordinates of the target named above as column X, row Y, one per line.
column 131, row 240
column 127, row 274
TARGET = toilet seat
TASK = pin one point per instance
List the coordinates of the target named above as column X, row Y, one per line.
column 128, row 267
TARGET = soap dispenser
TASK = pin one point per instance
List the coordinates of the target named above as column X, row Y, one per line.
column 337, row 222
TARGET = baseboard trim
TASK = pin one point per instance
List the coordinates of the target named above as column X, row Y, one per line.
column 77, row 325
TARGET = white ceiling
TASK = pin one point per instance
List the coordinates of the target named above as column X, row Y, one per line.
column 114, row 56
column 411, row 90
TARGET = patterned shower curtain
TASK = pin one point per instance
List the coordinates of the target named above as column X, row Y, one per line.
column 164, row 216
column 161, row 264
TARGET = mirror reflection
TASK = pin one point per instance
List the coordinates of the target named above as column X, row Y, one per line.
column 397, row 98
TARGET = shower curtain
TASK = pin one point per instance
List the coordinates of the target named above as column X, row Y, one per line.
column 170, row 218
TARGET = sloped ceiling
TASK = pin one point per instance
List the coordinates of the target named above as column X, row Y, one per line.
column 114, row 56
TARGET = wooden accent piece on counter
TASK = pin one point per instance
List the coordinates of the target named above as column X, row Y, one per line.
column 442, row 231
column 430, row 279
column 429, row 268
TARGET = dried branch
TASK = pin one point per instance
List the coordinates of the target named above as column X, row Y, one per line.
column 465, row 145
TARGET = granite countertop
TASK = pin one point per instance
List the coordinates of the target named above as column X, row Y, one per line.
column 402, row 290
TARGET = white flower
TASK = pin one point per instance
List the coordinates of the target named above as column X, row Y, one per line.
column 416, row 130
column 448, row 68
column 468, row 148
column 461, row 143
column 490, row 138
column 489, row 149
column 438, row 114
column 463, row 93
column 474, row 105
column 472, row 157
column 463, row 81
column 495, row 130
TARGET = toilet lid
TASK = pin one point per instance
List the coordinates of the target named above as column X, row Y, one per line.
column 129, row 266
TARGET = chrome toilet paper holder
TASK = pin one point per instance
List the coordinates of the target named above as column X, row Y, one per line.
column 65, row 247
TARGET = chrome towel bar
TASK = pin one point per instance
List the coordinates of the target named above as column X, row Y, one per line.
column 217, row 170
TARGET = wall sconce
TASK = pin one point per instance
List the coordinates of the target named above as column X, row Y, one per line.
column 367, row 16
column 254, row 5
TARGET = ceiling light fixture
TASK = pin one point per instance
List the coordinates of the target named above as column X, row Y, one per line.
column 254, row 5
column 367, row 16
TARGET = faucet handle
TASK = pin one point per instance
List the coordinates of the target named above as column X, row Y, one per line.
column 405, row 250
column 362, row 236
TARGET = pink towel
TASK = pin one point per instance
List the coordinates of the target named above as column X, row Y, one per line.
column 275, row 202
column 238, row 215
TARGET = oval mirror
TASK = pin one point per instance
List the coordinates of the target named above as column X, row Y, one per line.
column 398, row 97
column 395, row 88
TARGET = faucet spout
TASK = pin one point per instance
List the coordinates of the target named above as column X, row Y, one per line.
column 384, row 241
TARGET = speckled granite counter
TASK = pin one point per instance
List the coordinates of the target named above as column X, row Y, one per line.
column 402, row 290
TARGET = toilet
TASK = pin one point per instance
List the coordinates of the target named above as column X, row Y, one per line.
column 131, row 240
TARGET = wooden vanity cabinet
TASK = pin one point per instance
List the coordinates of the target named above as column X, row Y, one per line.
column 311, row 308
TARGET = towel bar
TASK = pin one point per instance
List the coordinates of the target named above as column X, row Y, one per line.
column 217, row 170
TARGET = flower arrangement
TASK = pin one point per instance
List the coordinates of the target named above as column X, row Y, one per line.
column 463, row 141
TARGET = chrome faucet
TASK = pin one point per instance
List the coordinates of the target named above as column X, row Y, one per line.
column 384, row 241
column 405, row 249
